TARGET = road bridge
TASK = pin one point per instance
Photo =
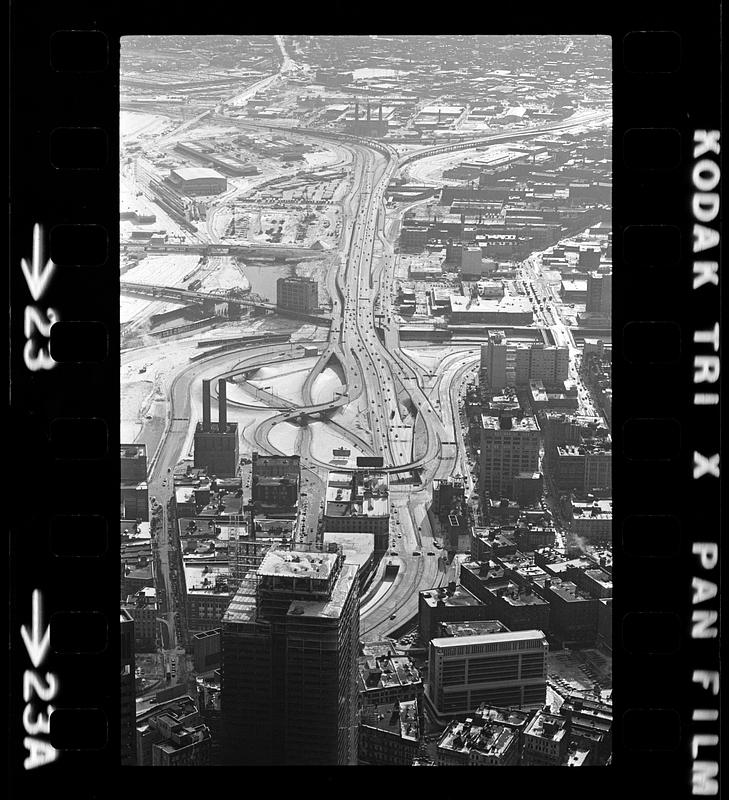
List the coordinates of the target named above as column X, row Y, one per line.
column 173, row 294
column 264, row 251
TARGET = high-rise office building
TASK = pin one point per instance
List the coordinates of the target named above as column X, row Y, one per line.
column 290, row 648
column 509, row 446
column 600, row 292
column 128, row 695
column 497, row 361
column 505, row 363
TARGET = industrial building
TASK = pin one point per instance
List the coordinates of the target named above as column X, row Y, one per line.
column 367, row 125
column 290, row 650
column 504, row 669
column 197, row 181
column 216, row 445
column 297, row 294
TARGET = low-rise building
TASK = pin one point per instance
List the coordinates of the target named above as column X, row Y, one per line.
column 358, row 502
column 572, row 613
column 388, row 679
column 546, row 740
column 174, row 722
column 478, row 742
column 142, row 607
column 518, row 606
column 452, row 603
column 389, row 733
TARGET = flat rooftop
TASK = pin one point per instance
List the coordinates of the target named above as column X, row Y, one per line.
column 133, row 450
column 490, row 638
column 488, row 738
column 295, row 564
column 473, row 628
column 196, row 173
column 400, row 719
column 460, row 597
column 331, row 608
column 494, row 422
column 547, row 726
column 385, row 672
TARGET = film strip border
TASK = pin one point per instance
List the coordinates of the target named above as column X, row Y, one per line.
column 64, row 562
column 63, row 552
column 666, row 386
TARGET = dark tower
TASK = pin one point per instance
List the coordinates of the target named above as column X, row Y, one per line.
column 206, row 405
column 289, row 677
column 216, row 449
column 222, row 405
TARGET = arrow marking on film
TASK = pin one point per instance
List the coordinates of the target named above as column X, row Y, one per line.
column 36, row 275
column 38, row 641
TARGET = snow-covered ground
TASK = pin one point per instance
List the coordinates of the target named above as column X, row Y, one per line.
column 224, row 275
column 136, row 397
column 133, row 123
column 163, row 270
column 324, row 439
column 138, row 390
column 285, row 381
column 321, row 159
column 325, row 384
column 238, row 394
column 429, row 359
column 284, row 437
column 160, row 270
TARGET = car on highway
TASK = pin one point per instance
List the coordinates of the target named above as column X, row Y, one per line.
column 431, row 553
column 417, row 553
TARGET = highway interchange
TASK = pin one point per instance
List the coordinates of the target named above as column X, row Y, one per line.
column 394, row 394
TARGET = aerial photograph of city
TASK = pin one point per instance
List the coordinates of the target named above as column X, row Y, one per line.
column 366, row 459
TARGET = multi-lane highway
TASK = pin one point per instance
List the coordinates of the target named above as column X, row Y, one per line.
column 391, row 390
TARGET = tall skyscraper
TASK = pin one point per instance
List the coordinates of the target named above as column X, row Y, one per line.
column 289, row 675
column 128, row 696
column 600, row 291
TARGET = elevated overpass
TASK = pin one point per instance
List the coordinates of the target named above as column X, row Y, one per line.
column 507, row 136
column 173, row 294
column 275, row 252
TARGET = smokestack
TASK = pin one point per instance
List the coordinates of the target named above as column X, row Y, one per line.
column 222, row 405
column 368, row 111
column 206, row 405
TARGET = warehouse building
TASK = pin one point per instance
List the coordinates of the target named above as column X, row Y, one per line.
column 198, row 181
